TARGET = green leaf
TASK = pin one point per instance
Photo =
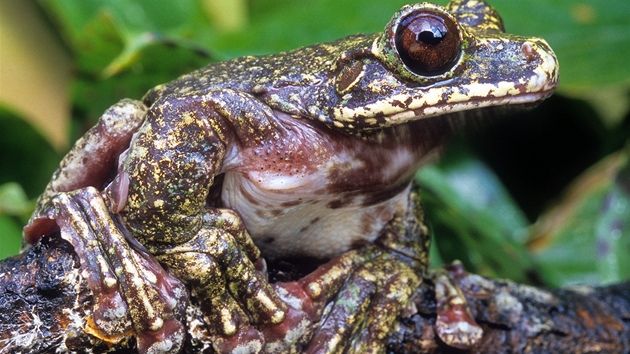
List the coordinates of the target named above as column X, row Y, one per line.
column 13, row 200
column 279, row 25
column 473, row 217
column 590, row 37
column 15, row 207
column 26, row 156
column 11, row 236
column 110, row 36
column 613, row 231
column 585, row 238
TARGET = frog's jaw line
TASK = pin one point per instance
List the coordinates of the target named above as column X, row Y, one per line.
column 427, row 109
column 432, row 111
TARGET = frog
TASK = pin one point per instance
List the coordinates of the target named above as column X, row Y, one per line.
column 184, row 195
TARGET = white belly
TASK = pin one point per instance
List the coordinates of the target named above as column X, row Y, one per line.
column 301, row 219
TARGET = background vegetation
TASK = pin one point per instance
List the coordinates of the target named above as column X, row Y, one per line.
column 540, row 197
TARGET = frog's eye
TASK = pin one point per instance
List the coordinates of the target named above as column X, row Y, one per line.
column 428, row 42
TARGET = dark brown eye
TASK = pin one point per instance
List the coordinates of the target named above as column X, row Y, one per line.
column 428, row 43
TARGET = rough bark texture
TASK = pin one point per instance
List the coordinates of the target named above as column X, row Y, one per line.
column 44, row 304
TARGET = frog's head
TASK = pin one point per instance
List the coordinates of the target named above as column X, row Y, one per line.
column 432, row 60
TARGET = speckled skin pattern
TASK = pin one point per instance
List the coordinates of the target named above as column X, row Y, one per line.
column 304, row 153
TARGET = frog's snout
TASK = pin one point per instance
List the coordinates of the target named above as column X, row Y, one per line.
column 537, row 50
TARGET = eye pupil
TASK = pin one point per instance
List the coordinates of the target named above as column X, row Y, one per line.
column 429, row 37
column 428, row 43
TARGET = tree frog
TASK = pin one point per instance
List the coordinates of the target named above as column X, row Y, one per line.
column 310, row 152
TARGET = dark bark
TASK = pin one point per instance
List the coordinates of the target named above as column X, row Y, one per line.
column 44, row 304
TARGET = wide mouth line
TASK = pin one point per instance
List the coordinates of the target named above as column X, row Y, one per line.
column 474, row 103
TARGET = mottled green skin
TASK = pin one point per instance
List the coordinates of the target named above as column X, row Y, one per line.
column 310, row 152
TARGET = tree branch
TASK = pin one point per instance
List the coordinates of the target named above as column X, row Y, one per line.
column 44, row 305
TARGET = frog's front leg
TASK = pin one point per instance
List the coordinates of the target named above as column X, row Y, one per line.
column 163, row 185
column 93, row 157
column 132, row 292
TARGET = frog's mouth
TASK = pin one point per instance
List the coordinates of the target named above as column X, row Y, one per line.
column 470, row 107
column 504, row 103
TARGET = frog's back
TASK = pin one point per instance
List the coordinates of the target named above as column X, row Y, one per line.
column 231, row 74
column 299, row 68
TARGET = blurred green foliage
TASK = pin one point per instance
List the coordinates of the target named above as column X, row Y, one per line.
column 483, row 196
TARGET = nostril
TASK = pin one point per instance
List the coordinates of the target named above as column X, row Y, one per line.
column 527, row 49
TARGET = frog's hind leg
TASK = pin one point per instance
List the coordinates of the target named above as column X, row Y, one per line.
column 93, row 158
column 132, row 292
column 363, row 292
